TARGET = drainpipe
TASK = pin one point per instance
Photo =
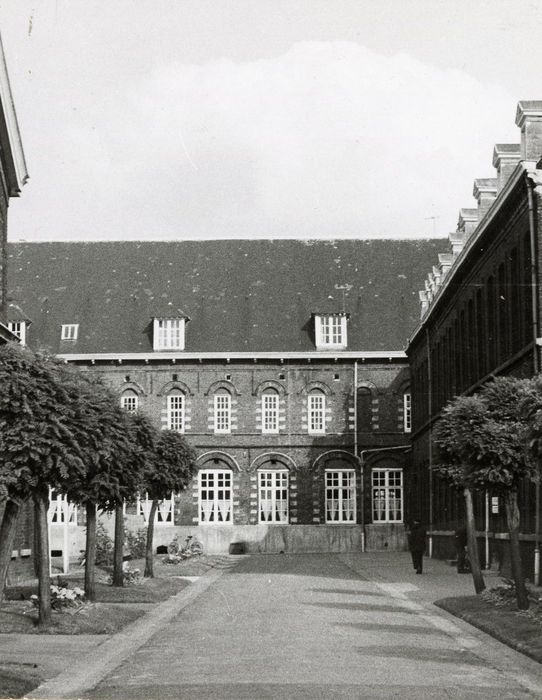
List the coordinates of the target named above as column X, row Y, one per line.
column 361, row 475
column 487, row 567
column 430, row 452
column 536, row 363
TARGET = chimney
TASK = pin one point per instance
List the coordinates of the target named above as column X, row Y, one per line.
column 529, row 120
column 457, row 241
column 505, row 158
column 484, row 191
column 468, row 221
column 424, row 303
column 445, row 263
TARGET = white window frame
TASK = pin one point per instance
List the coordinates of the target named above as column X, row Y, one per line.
column 60, row 509
column 69, row 331
column 330, row 332
column 175, row 412
column 407, row 412
column 222, row 413
column 129, row 401
column 18, row 328
column 316, row 414
column 387, row 495
column 340, row 496
column 164, row 513
column 168, row 333
column 217, row 506
column 270, row 412
column 273, row 496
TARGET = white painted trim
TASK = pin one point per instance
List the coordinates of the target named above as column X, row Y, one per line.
column 248, row 356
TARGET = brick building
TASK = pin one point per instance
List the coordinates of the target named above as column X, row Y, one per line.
column 480, row 317
column 281, row 361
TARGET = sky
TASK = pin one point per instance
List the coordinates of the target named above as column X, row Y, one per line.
column 203, row 119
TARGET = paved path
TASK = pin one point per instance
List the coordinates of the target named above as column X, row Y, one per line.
column 323, row 626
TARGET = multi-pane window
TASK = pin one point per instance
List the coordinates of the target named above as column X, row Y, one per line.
column 18, row 328
column 175, row 412
column 69, row 331
column 164, row 512
column 222, row 413
column 129, row 401
column 215, row 496
column 60, row 509
column 387, row 495
column 407, row 412
column 270, row 412
column 169, row 333
column 341, row 496
column 273, row 496
column 330, row 331
column 317, row 412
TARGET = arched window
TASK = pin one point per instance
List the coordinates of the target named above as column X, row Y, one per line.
column 273, row 495
column 222, row 412
column 129, row 401
column 340, row 495
column 215, row 496
column 317, row 412
column 387, row 495
column 407, row 411
column 175, row 411
column 270, row 411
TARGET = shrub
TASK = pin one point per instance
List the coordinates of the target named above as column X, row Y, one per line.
column 136, row 542
column 104, row 547
column 63, row 597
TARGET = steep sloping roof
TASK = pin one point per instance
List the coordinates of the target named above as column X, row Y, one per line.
column 242, row 295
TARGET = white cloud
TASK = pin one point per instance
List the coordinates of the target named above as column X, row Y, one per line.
column 326, row 140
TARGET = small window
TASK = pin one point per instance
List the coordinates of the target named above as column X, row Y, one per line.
column 69, row 331
column 330, row 331
column 273, row 496
column 129, row 401
column 407, row 412
column 222, row 413
column 317, row 412
column 341, row 496
column 175, row 412
column 270, row 412
column 168, row 333
column 18, row 328
column 387, row 495
column 215, row 496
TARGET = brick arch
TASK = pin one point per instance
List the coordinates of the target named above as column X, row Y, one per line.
column 316, row 385
column 170, row 386
column 215, row 458
column 367, row 385
column 393, row 459
column 131, row 386
column 222, row 384
column 325, row 457
column 267, row 457
column 270, row 384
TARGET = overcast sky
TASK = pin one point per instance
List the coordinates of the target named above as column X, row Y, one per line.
column 159, row 119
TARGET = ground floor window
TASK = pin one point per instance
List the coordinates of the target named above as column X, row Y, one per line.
column 164, row 512
column 60, row 509
column 215, row 496
column 273, row 496
column 387, row 495
column 341, row 496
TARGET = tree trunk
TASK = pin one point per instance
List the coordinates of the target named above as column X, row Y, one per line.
column 512, row 519
column 90, row 553
column 472, row 545
column 41, row 502
column 118, row 555
column 149, row 570
column 7, row 538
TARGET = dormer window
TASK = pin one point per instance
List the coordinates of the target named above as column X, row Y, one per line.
column 168, row 333
column 18, row 328
column 69, row 331
column 330, row 331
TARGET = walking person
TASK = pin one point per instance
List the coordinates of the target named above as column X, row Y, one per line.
column 416, row 543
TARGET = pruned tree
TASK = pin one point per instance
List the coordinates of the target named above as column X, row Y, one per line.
column 456, row 436
column 169, row 471
column 38, row 450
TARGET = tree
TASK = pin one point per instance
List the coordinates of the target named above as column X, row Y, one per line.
column 38, row 450
column 455, row 437
column 169, row 471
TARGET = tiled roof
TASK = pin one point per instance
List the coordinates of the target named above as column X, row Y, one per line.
column 242, row 295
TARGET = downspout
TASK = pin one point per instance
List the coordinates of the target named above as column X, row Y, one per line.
column 430, row 451
column 536, row 363
column 361, row 474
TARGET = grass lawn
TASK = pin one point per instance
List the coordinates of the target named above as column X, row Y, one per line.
column 17, row 680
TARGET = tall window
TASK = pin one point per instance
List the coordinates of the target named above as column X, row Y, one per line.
column 164, row 512
column 60, row 509
column 18, row 328
column 175, row 412
column 222, row 413
column 129, row 401
column 341, row 496
column 330, row 331
column 273, row 492
column 69, row 331
column 215, row 496
column 168, row 334
column 317, row 412
column 407, row 412
column 270, row 412
column 387, row 495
